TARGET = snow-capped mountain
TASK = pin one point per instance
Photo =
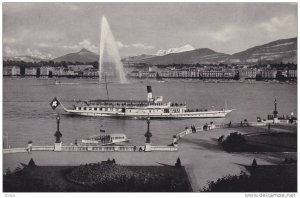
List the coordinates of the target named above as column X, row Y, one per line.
column 184, row 48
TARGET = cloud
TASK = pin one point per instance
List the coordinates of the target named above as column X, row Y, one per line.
column 68, row 6
column 44, row 45
column 140, row 45
column 226, row 34
column 82, row 44
column 134, row 45
column 10, row 52
column 277, row 24
column 121, row 45
column 9, row 40
column 38, row 54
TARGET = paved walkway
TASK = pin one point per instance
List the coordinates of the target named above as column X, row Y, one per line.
column 199, row 153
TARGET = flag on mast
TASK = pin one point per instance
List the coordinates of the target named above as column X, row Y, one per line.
column 54, row 103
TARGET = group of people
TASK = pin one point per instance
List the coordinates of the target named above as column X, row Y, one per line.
column 141, row 149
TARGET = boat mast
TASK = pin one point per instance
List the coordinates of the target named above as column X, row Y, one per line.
column 106, row 88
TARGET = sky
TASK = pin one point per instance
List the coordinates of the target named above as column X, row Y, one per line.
column 49, row 30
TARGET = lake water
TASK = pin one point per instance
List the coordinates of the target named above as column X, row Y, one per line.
column 27, row 114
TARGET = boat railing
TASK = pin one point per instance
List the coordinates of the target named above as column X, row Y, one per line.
column 122, row 105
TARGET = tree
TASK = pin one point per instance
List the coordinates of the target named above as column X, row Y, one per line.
column 258, row 77
column 31, row 163
column 178, row 163
column 280, row 76
column 237, row 76
column 254, row 163
column 234, row 142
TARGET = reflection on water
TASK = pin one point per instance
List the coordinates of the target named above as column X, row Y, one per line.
column 27, row 114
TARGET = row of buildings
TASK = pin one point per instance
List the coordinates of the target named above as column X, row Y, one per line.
column 244, row 73
column 71, row 70
column 192, row 72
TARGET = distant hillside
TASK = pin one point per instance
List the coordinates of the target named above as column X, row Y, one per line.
column 184, row 48
column 284, row 50
column 24, row 58
column 203, row 55
column 83, row 56
column 137, row 58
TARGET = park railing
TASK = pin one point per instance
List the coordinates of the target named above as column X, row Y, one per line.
column 208, row 127
column 164, row 148
column 15, row 150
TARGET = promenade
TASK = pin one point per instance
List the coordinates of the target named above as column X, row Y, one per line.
column 199, row 152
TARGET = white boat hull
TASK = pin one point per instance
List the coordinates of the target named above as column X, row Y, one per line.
column 203, row 114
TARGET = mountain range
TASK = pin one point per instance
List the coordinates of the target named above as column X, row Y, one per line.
column 83, row 56
column 284, row 50
column 184, row 48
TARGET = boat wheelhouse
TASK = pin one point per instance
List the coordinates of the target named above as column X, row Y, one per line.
column 105, row 139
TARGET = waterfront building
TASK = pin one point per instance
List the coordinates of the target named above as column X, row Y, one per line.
column 134, row 74
column 11, row 70
column 152, row 74
column 291, row 73
column 212, row 74
column 90, row 72
column 268, row 74
column 79, row 67
column 69, row 72
column 31, row 71
column 58, row 71
column 247, row 73
column 164, row 74
column 229, row 73
column 46, row 70
column 7, row 71
column 250, row 73
column 242, row 73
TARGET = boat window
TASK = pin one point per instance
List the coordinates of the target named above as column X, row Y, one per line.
column 84, row 108
column 95, row 108
column 100, row 109
column 79, row 108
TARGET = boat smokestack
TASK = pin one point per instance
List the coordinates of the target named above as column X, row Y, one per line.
column 149, row 90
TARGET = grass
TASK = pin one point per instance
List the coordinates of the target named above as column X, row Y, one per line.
column 272, row 142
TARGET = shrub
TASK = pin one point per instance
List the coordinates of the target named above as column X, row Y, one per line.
column 234, row 142
column 178, row 163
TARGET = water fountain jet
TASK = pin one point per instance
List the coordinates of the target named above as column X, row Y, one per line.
column 108, row 44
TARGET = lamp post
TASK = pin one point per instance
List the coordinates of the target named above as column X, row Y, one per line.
column 148, row 135
column 58, row 135
column 275, row 112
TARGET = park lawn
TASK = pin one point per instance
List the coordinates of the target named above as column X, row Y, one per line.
column 273, row 142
